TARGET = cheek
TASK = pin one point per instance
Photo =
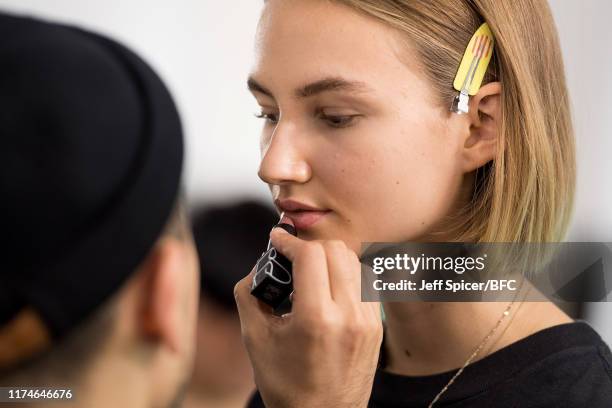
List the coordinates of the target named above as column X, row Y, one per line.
column 395, row 186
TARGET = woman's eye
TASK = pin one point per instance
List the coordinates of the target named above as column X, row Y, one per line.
column 268, row 117
column 338, row 121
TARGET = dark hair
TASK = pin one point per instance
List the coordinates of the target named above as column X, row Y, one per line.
column 229, row 240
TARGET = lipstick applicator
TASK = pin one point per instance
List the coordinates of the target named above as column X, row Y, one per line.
column 273, row 279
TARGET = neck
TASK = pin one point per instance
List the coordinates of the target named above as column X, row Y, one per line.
column 115, row 384
column 200, row 398
column 429, row 338
column 206, row 394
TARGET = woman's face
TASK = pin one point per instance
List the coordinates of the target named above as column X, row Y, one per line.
column 353, row 146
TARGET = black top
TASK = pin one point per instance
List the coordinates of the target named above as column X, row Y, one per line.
column 562, row 366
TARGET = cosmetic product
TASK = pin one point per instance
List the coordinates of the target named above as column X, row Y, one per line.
column 273, row 280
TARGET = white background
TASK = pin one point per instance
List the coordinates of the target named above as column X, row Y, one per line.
column 203, row 50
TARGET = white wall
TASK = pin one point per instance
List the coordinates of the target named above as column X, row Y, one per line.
column 203, row 49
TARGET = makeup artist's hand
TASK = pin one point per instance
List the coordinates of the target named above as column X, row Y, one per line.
column 324, row 353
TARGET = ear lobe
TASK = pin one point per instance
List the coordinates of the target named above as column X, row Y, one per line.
column 480, row 147
column 162, row 301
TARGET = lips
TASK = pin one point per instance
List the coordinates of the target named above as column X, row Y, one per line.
column 303, row 215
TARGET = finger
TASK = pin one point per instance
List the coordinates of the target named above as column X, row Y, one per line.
column 310, row 275
column 344, row 273
column 250, row 310
column 286, row 243
column 374, row 298
column 375, row 309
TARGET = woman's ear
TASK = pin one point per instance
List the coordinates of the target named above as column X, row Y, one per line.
column 480, row 146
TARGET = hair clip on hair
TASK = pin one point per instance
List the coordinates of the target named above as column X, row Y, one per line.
column 473, row 67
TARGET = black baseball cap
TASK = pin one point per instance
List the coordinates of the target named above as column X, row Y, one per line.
column 91, row 153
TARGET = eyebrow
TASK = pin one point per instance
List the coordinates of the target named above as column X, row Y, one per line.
column 323, row 85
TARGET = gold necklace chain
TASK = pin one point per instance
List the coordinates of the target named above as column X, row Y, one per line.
column 474, row 354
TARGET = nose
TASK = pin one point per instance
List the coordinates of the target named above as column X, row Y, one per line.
column 283, row 161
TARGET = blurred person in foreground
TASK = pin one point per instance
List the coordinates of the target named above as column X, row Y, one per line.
column 228, row 239
column 99, row 274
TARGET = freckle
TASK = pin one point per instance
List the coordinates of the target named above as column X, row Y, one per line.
column 342, row 170
column 407, row 353
column 397, row 182
column 422, row 222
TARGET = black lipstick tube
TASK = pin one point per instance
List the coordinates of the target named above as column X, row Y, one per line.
column 273, row 279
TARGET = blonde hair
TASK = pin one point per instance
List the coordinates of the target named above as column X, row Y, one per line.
column 526, row 193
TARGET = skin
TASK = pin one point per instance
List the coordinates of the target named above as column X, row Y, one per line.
column 398, row 156
column 385, row 160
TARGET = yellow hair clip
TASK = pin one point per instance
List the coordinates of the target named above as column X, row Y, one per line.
column 473, row 67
